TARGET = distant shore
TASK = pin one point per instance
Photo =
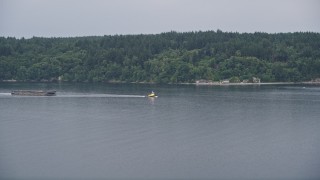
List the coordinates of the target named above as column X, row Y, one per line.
column 253, row 84
column 195, row 83
column 243, row 84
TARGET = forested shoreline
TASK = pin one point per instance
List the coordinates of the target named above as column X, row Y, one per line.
column 171, row 57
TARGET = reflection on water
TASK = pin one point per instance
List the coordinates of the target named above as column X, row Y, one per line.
column 152, row 100
column 108, row 131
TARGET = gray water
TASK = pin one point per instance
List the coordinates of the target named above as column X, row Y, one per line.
column 111, row 131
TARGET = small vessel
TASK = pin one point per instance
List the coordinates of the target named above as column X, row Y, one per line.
column 152, row 94
column 33, row 93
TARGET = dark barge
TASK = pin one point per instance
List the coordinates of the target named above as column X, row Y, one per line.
column 33, row 93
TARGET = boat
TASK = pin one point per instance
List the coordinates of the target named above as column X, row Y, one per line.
column 33, row 93
column 152, row 94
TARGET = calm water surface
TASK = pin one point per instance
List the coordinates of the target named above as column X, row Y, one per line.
column 111, row 131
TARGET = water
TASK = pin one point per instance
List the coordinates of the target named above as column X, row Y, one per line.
column 111, row 131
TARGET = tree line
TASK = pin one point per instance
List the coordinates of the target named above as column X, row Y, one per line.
column 171, row 57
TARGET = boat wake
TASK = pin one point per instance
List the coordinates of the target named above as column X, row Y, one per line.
column 80, row 95
column 5, row 94
column 99, row 96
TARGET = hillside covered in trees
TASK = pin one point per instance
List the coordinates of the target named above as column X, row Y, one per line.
column 163, row 58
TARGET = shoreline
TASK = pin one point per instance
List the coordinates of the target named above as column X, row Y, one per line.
column 255, row 84
column 244, row 84
column 195, row 83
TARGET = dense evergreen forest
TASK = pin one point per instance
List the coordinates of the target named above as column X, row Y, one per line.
column 170, row 57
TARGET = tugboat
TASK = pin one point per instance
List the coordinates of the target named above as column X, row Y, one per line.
column 33, row 93
column 152, row 94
